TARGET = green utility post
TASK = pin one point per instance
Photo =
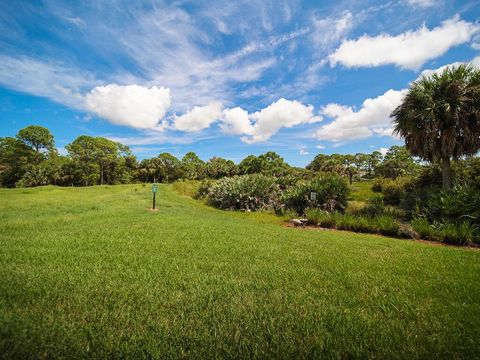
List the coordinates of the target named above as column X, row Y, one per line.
column 154, row 191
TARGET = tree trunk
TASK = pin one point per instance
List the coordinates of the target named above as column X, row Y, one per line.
column 101, row 174
column 446, row 173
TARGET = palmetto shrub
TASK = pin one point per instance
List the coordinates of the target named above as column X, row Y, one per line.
column 332, row 194
column 461, row 203
column 203, row 189
column 461, row 233
column 246, row 192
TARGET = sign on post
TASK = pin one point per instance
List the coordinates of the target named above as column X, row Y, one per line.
column 154, row 191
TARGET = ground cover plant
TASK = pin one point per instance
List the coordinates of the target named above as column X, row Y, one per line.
column 92, row 272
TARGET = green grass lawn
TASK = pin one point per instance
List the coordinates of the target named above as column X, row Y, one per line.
column 91, row 272
column 362, row 191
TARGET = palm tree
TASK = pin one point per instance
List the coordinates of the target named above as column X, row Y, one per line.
column 439, row 117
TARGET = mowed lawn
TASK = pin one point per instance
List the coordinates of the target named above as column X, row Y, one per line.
column 91, row 272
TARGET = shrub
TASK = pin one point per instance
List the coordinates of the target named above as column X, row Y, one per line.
column 461, row 203
column 332, row 194
column 246, row 192
column 203, row 189
column 393, row 191
column 383, row 224
column 462, row 233
column 186, row 187
column 313, row 216
column 374, row 207
column 424, row 229
column 377, row 184
column 387, row 225
column 355, row 207
column 345, row 222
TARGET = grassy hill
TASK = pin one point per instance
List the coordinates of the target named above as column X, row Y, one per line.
column 92, row 272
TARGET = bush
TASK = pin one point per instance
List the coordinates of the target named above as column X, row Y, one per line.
column 374, row 207
column 355, row 207
column 186, row 187
column 247, row 192
column 377, row 184
column 387, row 225
column 332, row 194
column 384, row 224
column 462, row 233
column 424, row 229
column 393, row 191
column 461, row 203
column 203, row 189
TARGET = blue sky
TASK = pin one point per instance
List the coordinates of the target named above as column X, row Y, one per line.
column 225, row 78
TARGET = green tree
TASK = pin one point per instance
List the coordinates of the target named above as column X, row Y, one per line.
column 15, row 159
column 99, row 159
column 169, row 168
column 218, row 167
column 398, row 161
column 37, row 137
column 193, row 166
column 439, row 118
column 372, row 162
column 250, row 165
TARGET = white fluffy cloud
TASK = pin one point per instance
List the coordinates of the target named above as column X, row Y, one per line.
column 198, row 118
column 280, row 114
column 131, row 105
column 372, row 118
column 408, row 50
column 236, row 121
column 427, row 72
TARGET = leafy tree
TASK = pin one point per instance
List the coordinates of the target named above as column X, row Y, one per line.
column 439, row 117
column 250, row 165
column 15, row 158
column 193, row 166
column 169, row 168
column 37, row 137
column 269, row 163
column 373, row 160
column 218, row 167
column 273, row 164
column 397, row 162
column 99, row 159
column 147, row 170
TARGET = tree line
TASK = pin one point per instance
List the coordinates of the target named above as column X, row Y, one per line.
column 31, row 159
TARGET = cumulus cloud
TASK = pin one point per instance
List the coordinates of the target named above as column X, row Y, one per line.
column 408, row 50
column 280, row 114
column 320, row 146
column 198, row 118
column 372, row 118
column 304, row 152
column 131, row 105
column 427, row 72
column 236, row 122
